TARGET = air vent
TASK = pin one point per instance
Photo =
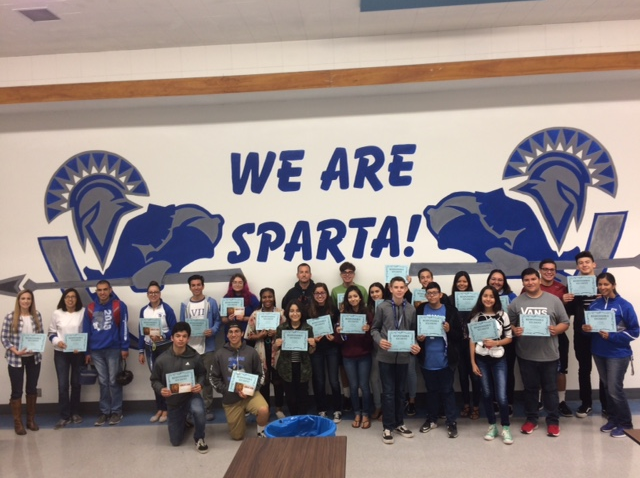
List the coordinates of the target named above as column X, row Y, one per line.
column 38, row 14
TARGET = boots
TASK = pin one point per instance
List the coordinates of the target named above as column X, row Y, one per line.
column 16, row 409
column 31, row 413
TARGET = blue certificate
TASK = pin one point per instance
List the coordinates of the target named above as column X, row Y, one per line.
column 487, row 329
column 228, row 305
column 465, row 301
column 181, row 382
column 321, row 326
column 150, row 327
column 295, row 340
column 267, row 320
column 535, row 325
column 431, row 325
column 352, row 323
column 401, row 340
column 243, row 382
column 419, row 295
column 582, row 285
column 395, row 271
column 601, row 320
column 505, row 301
column 32, row 342
column 76, row 342
column 198, row 325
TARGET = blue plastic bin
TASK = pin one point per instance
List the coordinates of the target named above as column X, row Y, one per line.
column 301, row 426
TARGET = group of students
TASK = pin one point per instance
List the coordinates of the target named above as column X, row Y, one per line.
column 375, row 376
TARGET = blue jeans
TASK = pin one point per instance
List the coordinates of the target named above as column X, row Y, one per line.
column 612, row 371
column 440, row 388
column 177, row 419
column 393, row 377
column 536, row 375
column 108, row 364
column 322, row 363
column 412, row 378
column 494, row 385
column 358, row 371
column 16, row 377
column 68, row 372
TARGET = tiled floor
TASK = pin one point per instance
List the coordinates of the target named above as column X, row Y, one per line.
column 144, row 450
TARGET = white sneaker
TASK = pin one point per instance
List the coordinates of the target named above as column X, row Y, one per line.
column 201, row 446
column 387, row 437
column 322, row 414
column 337, row 417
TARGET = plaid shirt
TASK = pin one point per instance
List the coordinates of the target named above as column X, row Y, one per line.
column 12, row 339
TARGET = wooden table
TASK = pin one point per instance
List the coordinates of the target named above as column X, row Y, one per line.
column 290, row 457
column 634, row 435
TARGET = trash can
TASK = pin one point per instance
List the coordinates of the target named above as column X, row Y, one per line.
column 301, row 426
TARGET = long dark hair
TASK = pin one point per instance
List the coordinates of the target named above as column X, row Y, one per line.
column 506, row 289
column 314, row 307
column 371, row 304
column 479, row 307
column 454, row 288
column 610, row 278
column 303, row 312
column 346, row 306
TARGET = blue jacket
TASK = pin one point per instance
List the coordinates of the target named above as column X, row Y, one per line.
column 170, row 320
column 103, row 331
column 619, row 343
column 213, row 316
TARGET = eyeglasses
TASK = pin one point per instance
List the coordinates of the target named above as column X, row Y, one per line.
column 319, row 293
column 347, row 273
column 153, row 293
column 433, row 294
column 547, row 269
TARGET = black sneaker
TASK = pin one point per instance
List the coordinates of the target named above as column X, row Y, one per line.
column 510, row 410
column 564, row 409
column 583, row 411
column 115, row 418
column 427, row 426
column 201, row 446
column 102, row 419
column 76, row 419
column 411, row 409
column 387, row 437
column 61, row 423
column 452, row 430
column 404, row 431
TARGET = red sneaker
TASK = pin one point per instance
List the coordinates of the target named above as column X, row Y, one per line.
column 553, row 430
column 528, row 427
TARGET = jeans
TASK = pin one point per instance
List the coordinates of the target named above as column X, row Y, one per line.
column 16, row 377
column 322, row 363
column 177, row 418
column 510, row 355
column 376, row 385
column 108, row 364
column 412, row 378
column 582, row 348
column 358, row 371
column 465, row 373
column 66, row 362
column 494, row 385
column 439, row 385
column 612, row 372
column 393, row 377
column 534, row 376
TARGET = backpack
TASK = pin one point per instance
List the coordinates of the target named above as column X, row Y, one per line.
column 116, row 311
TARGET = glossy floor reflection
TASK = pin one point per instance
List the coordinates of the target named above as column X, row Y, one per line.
column 144, row 450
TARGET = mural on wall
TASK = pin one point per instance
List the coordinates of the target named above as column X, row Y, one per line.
column 559, row 168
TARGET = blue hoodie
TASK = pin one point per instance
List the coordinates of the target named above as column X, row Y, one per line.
column 102, row 329
column 619, row 343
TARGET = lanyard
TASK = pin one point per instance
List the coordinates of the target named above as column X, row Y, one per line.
column 398, row 319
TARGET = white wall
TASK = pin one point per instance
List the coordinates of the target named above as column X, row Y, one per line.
column 463, row 139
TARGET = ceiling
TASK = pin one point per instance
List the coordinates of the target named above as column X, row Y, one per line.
column 107, row 25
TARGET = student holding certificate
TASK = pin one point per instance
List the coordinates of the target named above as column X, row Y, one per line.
column 612, row 353
column 488, row 361
column 356, row 356
column 151, row 346
column 392, row 316
column 326, row 358
column 462, row 283
column 376, row 293
column 263, row 343
column 67, row 319
column 294, row 366
column 24, row 319
column 239, row 287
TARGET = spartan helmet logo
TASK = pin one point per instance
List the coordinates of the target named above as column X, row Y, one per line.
column 559, row 165
column 94, row 185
